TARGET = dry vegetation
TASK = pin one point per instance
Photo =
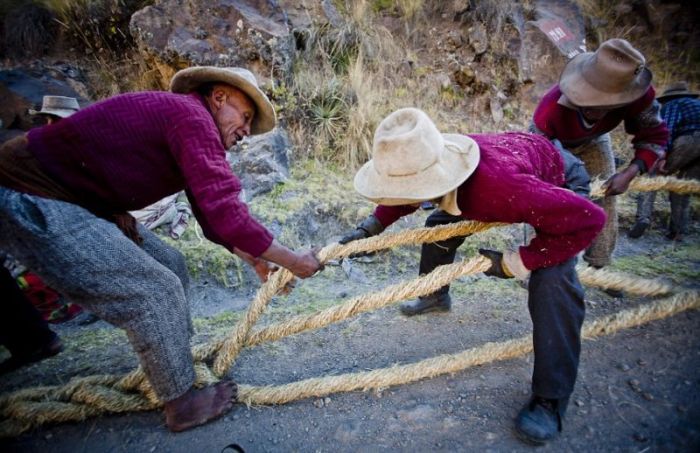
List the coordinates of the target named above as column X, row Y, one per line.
column 387, row 54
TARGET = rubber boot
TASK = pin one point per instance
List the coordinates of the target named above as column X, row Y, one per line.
column 637, row 230
column 540, row 420
column 426, row 304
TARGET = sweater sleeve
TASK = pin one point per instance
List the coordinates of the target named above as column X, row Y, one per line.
column 650, row 134
column 390, row 214
column 565, row 223
column 213, row 189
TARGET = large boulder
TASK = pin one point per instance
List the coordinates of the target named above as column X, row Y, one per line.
column 173, row 34
column 555, row 34
column 261, row 162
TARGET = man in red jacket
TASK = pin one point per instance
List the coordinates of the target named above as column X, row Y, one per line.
column 66, row 189
column 596, row 92
column 507, row 177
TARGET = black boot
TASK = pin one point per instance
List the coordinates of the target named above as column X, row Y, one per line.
column 426, row 304
column 637, row 230
column 540, row 420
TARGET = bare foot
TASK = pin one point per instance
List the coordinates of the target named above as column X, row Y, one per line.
column 198, row 406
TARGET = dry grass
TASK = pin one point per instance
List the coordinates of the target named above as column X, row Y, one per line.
column 341, row 87
column 666, row 34
column 99, row 31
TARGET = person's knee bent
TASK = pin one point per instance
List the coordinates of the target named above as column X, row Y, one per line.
column 175, row 261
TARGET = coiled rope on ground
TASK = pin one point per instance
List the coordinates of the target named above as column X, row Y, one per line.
column 84, row 397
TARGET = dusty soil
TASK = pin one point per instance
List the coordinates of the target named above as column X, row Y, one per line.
column 637, row 390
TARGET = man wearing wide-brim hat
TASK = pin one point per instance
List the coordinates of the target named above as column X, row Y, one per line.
column 507, row 177
column 55, row 108
column 681, row 112
column 66, row 188
column 596, row 92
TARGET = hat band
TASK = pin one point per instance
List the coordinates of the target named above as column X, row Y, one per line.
column 400, row 175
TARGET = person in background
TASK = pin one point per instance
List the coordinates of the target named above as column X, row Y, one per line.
column 504, row 177
column 23, row 331
column 55, row 108
column 681, row 112
column 596, row 92
column 23, row 328
column 51, row 305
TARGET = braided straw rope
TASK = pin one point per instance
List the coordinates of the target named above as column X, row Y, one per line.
column 90, row 396
column 652, row 184
column 452, row 363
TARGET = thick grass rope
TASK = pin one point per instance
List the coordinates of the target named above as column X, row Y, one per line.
column 94, row 395
column 452, row 363
column 652, row 184
column 420, row 286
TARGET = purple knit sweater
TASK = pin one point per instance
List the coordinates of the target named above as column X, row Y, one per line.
column 131, row 150
column 519, row 180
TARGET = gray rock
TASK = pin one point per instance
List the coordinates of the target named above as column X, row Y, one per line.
column 261, row 162
column 177, row 33
column 478, row 39
column 555, row 34
column 23, row 89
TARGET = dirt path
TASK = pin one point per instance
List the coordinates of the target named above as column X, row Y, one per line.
column 637, row 390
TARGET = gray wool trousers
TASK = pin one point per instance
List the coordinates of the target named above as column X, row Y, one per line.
column 599, row 159
column 141, row 289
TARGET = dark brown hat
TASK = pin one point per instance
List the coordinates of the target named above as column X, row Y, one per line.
column 676, row 90
column 615, row 74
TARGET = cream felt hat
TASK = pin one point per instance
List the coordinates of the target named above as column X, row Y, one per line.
column 412, row 161
column 187, row 80
column 61, row 106
column 614, row 75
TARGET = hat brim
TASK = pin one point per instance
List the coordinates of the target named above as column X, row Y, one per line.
column 62, row 113
column 458, row 160
column 580, row 92
column 187, row 81
column 687, row 94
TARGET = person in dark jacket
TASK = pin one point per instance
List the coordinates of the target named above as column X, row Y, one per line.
column 681, row 112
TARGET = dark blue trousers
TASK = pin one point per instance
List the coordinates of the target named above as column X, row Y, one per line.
column 22, row 329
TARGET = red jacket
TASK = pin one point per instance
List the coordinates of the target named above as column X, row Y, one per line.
column 131, row 150
column 642, row 119
column 519, row 180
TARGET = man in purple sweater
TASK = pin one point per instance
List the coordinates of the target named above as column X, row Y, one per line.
column 507, row 177
column 66, row 188
column 596, row 92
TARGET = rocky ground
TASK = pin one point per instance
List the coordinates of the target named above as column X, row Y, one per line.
column 637, row 390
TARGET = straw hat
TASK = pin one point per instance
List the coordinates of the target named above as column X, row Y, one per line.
column 60, row 106
column 614, row 75
column 187, row 80
column 677, row 89
column 412, row 161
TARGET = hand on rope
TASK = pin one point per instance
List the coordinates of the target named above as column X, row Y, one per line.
column 505, row 265
column 498, row 267
column 371, row 226
column 620, row 182
column 263, row 269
